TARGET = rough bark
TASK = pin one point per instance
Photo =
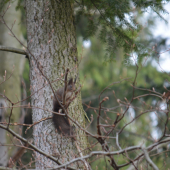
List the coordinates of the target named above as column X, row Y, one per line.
column 12, row 86
column 52, row 49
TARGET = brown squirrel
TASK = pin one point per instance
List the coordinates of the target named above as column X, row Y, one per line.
column 62, row 123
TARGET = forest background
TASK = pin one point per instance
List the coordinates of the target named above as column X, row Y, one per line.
column 102, row 64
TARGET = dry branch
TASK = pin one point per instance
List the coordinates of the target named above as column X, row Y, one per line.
column 13, row 50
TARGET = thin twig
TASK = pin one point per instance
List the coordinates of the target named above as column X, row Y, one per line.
column 65, row 88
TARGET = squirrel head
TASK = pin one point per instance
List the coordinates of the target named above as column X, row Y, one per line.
column 71, row 85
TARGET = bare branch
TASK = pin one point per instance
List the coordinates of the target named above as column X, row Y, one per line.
column 13, row 50
column 32, row 146
column 117, row 141
column 148, row 159
column 5, row 168
column 65, row 87
column 149, row 148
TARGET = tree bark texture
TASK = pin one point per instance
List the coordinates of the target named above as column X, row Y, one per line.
column 52, row 49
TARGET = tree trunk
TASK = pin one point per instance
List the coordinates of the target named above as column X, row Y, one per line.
column 52, row 49
column 11, row 63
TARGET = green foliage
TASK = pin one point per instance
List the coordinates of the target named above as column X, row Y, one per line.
column 3, row 3
column 115, row 22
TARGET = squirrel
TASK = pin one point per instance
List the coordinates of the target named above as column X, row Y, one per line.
column 62, row 123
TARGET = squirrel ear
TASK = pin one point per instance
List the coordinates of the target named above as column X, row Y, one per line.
column 70, row 81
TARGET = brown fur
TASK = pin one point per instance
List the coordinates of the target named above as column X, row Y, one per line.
column 62, row 123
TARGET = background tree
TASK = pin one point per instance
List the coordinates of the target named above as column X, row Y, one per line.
column 10, row 66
